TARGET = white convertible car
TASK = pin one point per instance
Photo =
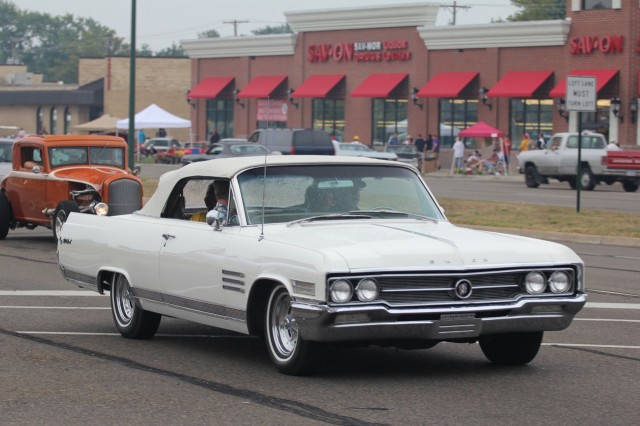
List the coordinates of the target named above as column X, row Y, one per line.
column 317, row 250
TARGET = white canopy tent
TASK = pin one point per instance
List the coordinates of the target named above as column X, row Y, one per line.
column 103, row 123
column 154, row 117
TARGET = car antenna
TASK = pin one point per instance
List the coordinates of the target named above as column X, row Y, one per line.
column 264, row 171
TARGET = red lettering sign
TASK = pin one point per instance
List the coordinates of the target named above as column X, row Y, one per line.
column 272, row 110
column 587, row 44
column 367, row 51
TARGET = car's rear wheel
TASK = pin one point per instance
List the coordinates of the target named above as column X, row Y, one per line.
column 131, row 320
column 587, row 180
column 629, row 186
column 290, row 353
column 511, row 348
column 531, row 177
column 5, row 216
column 61, row 214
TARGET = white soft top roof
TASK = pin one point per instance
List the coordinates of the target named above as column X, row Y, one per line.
column 228, row 167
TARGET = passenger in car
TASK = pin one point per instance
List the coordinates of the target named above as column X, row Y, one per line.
column 209, row 201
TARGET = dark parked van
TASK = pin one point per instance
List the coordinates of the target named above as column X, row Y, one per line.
column 294, row 141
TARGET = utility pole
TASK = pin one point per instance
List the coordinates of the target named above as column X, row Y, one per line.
column 454, row 10
column 235, row 23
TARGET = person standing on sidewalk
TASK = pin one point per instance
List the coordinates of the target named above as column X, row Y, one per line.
column 458, row 154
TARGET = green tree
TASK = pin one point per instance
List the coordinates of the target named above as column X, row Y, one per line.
column 209, row 34
column 174, row 51
column 538, row 10
column 277, row 29
column 52, row 45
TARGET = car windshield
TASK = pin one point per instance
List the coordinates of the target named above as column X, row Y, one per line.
column 401, row 149
column 6, row 152
column 248, row 149
column 304, row 192
column 103, row 155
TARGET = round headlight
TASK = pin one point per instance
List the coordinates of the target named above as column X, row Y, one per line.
column 101, row 209
column 367, row 290
column 559, row 282
column 535, row 282
column 341, row 291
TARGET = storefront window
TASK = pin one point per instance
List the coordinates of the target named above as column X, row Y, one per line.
column 67, row 121
column 455, row 115
column 328, row 115
column 598, row 121
column 596, row 4
column 271, row 124
column 220, row 117
column 532, row 116
column 39, row 120
column 389, row 117
column 53, row 122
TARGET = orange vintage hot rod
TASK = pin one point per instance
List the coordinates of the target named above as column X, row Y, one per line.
column 53, row 176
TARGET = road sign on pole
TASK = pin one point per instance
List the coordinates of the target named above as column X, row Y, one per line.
column 581, row 93
column 581, row 97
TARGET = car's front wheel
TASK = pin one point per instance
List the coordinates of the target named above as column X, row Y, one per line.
column 5, row 216
column 131, row 320
column 290, row 353
column 531, row 177
column 61, row 214
column 629, row 186
column 511, row 348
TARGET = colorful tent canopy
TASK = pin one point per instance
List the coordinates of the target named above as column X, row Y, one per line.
column 481, row 130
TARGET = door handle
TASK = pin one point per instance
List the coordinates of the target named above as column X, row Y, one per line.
column 168, row 236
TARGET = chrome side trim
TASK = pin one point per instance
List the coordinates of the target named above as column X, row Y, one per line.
column 83, row 280
column 177, row 302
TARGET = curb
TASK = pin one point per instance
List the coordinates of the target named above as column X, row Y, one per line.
column 564, row 236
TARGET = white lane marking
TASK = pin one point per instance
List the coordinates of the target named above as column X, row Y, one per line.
column 53, row 307
column 612, row 305
column 49, row 293
column 605, row 320
column 80, row 333
column 584, row 345
column 612, row 292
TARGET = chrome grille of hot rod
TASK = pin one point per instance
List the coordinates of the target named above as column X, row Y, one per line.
column 124, row 197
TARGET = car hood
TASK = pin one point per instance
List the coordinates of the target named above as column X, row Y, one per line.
column 95, row 176
column 406, row 244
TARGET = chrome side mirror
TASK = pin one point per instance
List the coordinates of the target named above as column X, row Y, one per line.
column 136, row 170
column 36, row 170
column 216, row 219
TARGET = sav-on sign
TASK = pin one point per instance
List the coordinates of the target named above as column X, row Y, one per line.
column 581, row 93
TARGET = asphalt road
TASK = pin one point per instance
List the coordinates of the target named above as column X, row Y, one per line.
column 62, row 362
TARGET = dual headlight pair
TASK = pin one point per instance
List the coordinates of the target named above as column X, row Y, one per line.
column 558, row 282
column 342, row 291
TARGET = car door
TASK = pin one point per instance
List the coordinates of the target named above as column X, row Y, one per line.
column 191, row 264
column 548, row 160
column 26, row 188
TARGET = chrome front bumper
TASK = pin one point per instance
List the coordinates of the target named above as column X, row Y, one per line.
column 333, row 324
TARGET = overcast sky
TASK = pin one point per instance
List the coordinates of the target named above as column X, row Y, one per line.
column 161, row 22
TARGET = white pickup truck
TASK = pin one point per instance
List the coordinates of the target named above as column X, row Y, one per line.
column 559, row 160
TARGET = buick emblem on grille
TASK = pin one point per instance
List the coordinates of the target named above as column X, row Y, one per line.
column 462, row 289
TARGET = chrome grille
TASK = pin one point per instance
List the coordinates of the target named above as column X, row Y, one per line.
column 438, row 288
column 124, row 197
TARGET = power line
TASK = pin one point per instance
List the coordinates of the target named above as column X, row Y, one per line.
column 235, row 23
column 454, row 10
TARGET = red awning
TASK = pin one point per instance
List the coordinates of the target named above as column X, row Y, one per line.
column 378, row 85
column 317, row 86
column 446, row 85
column 210, row 87
column 602, row 78
column 262, row 87
column 519, row 84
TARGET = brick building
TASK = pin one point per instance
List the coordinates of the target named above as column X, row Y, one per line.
column 375, row 71
column 103, row 88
